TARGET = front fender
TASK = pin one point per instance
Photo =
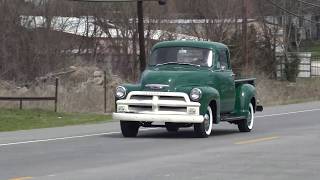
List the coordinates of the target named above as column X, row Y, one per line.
column 209, row 95
column 244, row 94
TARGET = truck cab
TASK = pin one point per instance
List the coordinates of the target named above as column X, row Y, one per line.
column 187, row 83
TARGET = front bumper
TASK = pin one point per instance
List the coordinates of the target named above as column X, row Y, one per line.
column 176, row 118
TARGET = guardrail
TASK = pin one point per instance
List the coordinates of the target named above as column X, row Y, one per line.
column 21, row 99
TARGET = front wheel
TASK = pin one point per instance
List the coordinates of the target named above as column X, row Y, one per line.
column 246, row 125
column 129, row 129
column 204, row 129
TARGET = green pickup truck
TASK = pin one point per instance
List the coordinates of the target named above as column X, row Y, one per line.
column 187, row 83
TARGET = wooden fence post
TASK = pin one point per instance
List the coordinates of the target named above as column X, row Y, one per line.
column 105, row 91
column 311, row 67
column 20, row 106
column 56, row 96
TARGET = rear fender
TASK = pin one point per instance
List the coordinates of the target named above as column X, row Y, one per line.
column 244, row 95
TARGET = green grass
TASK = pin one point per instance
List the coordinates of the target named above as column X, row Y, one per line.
column 313, row 47
column 15, row 119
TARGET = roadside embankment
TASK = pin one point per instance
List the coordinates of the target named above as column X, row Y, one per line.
column 272, row 92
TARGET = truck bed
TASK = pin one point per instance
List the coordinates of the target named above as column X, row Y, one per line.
column 245, row 81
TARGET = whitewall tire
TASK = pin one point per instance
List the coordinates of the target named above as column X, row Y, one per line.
column 246, row 125
column 204, row 129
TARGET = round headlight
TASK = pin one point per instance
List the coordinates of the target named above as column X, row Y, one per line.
column 121, row 92
column 195, row 94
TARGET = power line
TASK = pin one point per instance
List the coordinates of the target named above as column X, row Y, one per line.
column 291, row 13
column 309, row 3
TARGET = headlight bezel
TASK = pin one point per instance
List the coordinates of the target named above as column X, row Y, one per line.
column 121, row 89
column 195, row 94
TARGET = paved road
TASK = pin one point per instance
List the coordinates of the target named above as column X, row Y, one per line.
column 285, row 144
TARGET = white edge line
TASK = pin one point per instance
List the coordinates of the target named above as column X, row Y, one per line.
column 287, row 113
column 56, row 139
column 64, row 138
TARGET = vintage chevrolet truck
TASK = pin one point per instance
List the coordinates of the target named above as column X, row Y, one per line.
column 187, row 83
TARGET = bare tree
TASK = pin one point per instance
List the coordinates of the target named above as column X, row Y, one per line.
column 217, row 20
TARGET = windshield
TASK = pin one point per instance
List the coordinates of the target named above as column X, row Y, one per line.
column 182, row 55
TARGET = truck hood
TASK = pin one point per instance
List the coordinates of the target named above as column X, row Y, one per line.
column 175, row 80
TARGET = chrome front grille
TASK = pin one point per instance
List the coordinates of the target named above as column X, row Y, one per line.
column 150, row 102
column 137, row 108
column 141, row 97
column 176, row 109
column 157, row 102
column 172, row 98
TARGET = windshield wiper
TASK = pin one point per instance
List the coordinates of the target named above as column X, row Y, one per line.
column 166, row 63
column 196, row 65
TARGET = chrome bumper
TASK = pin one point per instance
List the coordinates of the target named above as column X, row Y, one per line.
column 158, row 118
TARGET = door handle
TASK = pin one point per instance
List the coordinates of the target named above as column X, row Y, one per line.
column 233, row 75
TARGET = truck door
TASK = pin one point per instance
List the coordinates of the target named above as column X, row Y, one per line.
column 226, row 84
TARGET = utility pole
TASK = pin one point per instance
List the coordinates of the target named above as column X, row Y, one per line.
column 142, row 54
column 245, row 56
column 286, row 28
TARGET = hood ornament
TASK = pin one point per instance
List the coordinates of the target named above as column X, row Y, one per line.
column 157, row 86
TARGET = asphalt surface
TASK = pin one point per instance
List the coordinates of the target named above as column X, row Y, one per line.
column 285, row 144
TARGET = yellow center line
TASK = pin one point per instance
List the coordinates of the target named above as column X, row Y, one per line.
column 257, row 140
column 21, row 178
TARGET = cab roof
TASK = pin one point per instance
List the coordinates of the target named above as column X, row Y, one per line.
column 188, row 43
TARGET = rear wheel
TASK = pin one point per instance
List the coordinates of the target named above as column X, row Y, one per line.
column 204, row 129
column 172, row 127
column 246, row 125
column 129, row 129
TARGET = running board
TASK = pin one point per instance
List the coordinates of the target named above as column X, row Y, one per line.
column 229, row 118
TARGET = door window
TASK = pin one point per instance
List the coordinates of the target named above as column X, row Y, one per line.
column 223, row 60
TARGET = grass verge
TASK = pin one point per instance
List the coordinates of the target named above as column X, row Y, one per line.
column 313, row 47
column 15, row 119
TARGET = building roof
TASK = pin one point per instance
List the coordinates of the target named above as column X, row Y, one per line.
column 87, row 27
